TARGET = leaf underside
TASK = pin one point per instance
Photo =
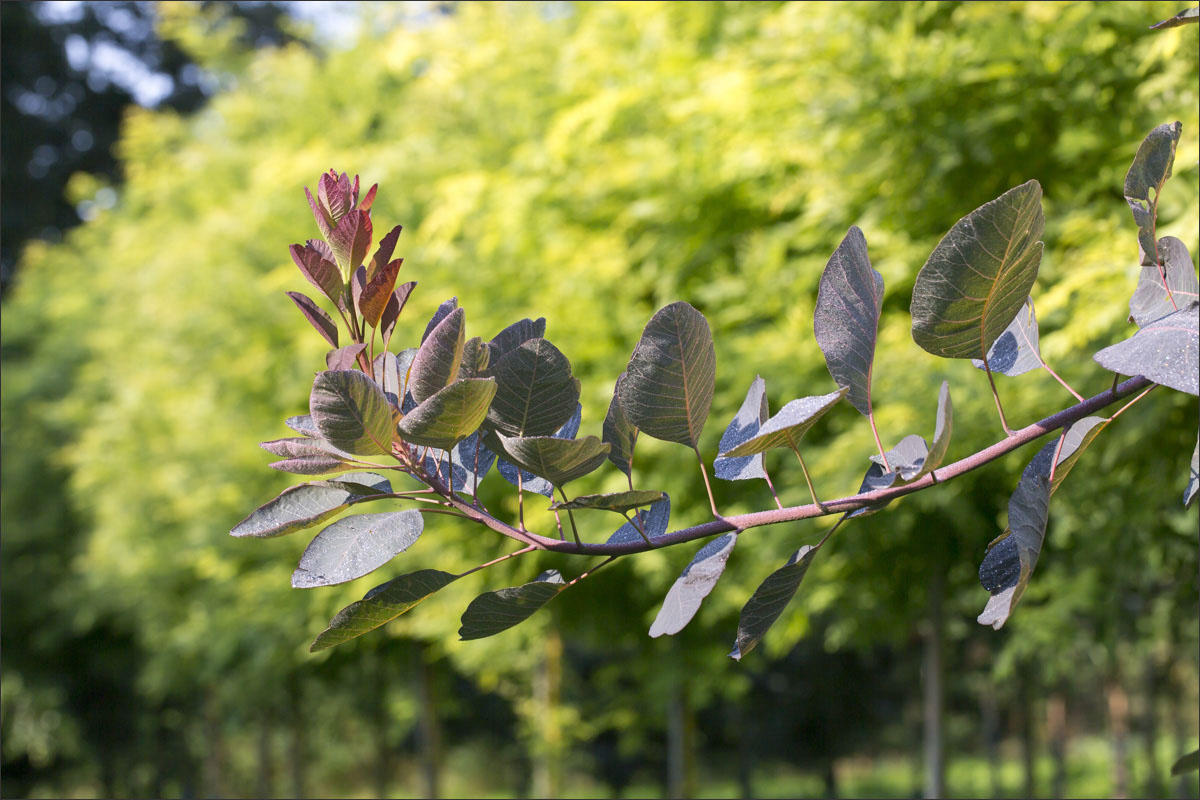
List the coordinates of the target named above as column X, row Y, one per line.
column 978, row 277
column 380, row 606
column 355, row 546
column 693, row 585
column 652, row 522
column 495, row 612
column 1189, row 491
column 744, row 427
column 846, row 319
column 1016, row 351
column 789, row 425
column 1166, row 351
column 308, row 504
column 1166, row 288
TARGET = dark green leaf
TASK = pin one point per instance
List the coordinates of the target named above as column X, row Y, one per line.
column 535, row 391
column 667, row 388
column 620, row 434
column 979, row 275
column 451, row 415
column 1016, row 351
column 652, row 522
column 559, row 461
column 744, row 427
column 769, row 600
column 1185, row 17
column 316, row 317
column 308, row 504
column 475, row 359
column 846, row 320
column 614, row 501
column 514, row 336
column 1167, row 351
column 789, row 425
column 437, row 361
column 442, row 311
column 355, row 546
column 1190, row 762
column 1189, row 492
column 527, row 480
column 1143, row 183
column 692, row 586
column 1163, row 289
column 495, row 612
column 381, row 605
column 344, row 358
column 351, row 412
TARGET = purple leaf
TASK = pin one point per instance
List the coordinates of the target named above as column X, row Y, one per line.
column 351, row 239
column 846, row 320
column 319, row 269
column 622, row 435
column 351, row 412
column 383, row 255
column 1167, row 351
column 769, row 600
column 442, row 312
column 377, row 293
column 368, row 199
column 323, row 221
column 436, row 364
column 316, row 317
column 495, row 612
column 344, row 357
column 1143, row 183
column 744, row 427
column 391, row 312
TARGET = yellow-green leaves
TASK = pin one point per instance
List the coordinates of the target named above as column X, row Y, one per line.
column 667, row 388
column 979, row 275
column 451, row 415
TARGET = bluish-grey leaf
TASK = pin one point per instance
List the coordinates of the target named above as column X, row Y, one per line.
column 846, row 320
column 530, row 482
column 1016, row 351
column 386, row 371
column 744, row 427
column 693, row 585
column 303, row 425
column 381, row 605
column 667, row 387
column 1143, row 183
column 621, row 434
column 437, row 361
column 308, row 504
column 535, row 390
column 652, row 522
column 789, row 425
column 1006, row 568
column 1167, row 351
column 907, row 461
column 1166, row 288
column 355, row 546
column 351, row 412
column 1193, row 483
column 471, row 462
column 979, row 275
column 495, row 612
column 769, row 600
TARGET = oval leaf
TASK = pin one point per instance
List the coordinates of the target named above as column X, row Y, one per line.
column 692, row 586
column 1016, row 351
column 846, row 319
column 1143, row 183
column 744, row 427
column 979, row 275
column 344, row 358
column 380, row 606
column 351, row 239
column 788, row 427
column 377, row 292
column 355, row 546
column 351, row 412
column 437, row 361
column 514, row 336
column 449, row 416
column 1167, row 351
column 769, row 600
column 535, row 391
column 442, row 311
column 529, row 482
column 559, row 461
column 621, row 434
column 308, row 504
column 495, row 612
column 1166, row 288
column 614, row 501
column 315, row 261
column 667, row 388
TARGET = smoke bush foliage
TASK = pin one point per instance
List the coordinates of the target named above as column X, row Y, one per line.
column 418, row 428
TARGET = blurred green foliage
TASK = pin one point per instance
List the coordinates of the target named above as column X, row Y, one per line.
column 591, row 163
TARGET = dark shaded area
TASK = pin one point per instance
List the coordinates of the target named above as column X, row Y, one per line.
column 68, row 75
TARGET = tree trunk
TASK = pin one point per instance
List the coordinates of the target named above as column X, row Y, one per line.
column 264, row 780
column 680, row 780
column 428, row 732
column 1027, row 744
column 933, row 691
column 296, row 740
column 1056, row 733
column 1154, row 786
column 548, row 755
column 1118, row 724
column 745, row 760
column 989, row 716
column 829, row 778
